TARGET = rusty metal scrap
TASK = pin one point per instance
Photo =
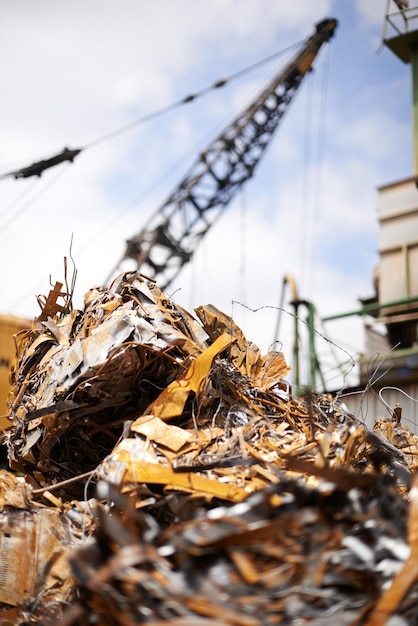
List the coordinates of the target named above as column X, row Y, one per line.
column 289, row 553
column 184, row 483
column 35, row 544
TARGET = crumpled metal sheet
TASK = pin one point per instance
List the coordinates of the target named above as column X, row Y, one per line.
column 209, row 493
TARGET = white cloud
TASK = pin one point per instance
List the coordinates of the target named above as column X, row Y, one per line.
column 372, row 12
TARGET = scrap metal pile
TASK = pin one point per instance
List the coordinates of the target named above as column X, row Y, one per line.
column 160, row 470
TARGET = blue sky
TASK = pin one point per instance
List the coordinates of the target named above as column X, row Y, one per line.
column 76, row 71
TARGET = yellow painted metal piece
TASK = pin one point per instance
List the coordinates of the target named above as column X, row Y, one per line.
column 154, row 429
column 135, row 461
column 170, row 403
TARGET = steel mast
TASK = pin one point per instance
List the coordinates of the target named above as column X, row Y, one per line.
column 169, row 239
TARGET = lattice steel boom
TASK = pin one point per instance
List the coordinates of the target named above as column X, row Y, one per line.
column 169, row 239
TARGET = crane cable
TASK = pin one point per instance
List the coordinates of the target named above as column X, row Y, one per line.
column 26, row 205
column 317, row 192
column 67, row 154
column 312, row 186
column 190, row 98
column 16, row 200
column 304, row 241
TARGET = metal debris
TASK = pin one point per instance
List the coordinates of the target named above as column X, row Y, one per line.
column 183, row 483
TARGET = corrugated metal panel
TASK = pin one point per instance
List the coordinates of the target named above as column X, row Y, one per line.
column 398, row 240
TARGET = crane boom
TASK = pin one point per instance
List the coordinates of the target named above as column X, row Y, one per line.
column 169, row 239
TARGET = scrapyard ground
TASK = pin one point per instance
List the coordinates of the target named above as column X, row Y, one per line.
column 159, row 470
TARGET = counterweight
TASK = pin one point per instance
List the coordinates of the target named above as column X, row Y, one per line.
column 169, row 239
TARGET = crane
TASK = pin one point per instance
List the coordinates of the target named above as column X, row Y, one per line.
column 170, row 237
